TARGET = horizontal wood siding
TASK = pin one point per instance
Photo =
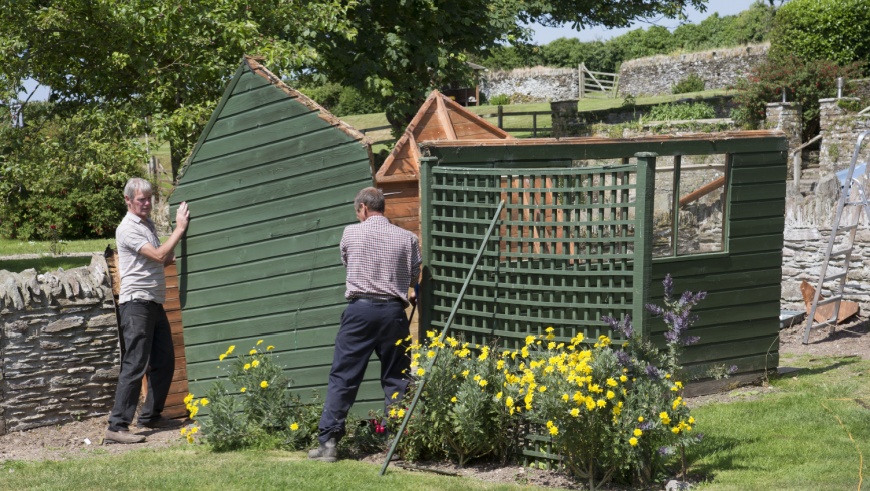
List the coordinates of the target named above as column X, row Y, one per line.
column 270, row 189
column 738, row 322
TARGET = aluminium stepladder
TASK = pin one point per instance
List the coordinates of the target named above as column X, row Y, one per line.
column 850, row 207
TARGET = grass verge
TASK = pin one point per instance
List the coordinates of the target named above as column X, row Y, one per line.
column 44, row 264
column 185, row 467
column 809, row 433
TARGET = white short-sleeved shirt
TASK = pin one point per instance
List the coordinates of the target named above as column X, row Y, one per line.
column 141, row 278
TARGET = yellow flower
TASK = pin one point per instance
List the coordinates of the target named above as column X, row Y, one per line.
column 640, row 419
column 230, row 349
column 498, row 396
column 637, row 432
column 509, row 401
column 465, row 373
column 530, row 339
column 675, row 430
column 430, row 354
column 477, row 377
column 188, row 398
column 247, row 366
column 393, row 413
column 632, row 441
column 270, row 348
column 400, row 413
column 430, row 334
column 259, row 342
column 623, row 378
column 600, row 403
column 565, row 397
column 611, row 382
column 421, row 371
column 610, row 394
column 243, row 389
column 190, row 438
column 453, row 399
column 483, row 383
column 691, row 420
column 554, row 431
column 575, row 412
column 252, row 352
column 294, row 426
column 204, row 401
column 183, row 431
column 398, row 342
column 264, row 384
column 222, row 356
column 193, row 411
column 395, row 395
column 255, row 363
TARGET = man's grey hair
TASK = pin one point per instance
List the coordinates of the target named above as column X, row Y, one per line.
column 136, row 184
column 371, row 197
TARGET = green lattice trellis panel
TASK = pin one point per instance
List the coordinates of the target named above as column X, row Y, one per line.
column 565, row 251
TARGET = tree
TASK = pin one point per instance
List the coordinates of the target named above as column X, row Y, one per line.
column 833, row 30
column 404, row 48
column 167, row 60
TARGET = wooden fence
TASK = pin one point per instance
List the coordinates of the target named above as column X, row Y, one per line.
column 540, row 124
column 596, row 83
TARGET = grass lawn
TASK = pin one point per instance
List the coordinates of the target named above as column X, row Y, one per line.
column 811, row 432
column 45, row 261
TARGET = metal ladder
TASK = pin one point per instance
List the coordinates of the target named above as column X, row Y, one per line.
column 849, row 210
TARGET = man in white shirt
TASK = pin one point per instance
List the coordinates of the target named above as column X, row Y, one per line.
column 144, row 326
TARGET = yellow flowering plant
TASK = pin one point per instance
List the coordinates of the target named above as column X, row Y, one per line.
column 461, row 415
column 259, row 411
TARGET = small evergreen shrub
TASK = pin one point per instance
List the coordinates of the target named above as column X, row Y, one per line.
column 500, row 100
column 692, row 83
column 258, row 412
column 677, row 112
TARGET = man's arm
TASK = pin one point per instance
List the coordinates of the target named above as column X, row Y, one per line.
column 165, row 254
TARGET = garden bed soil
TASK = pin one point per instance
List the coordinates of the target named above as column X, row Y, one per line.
column 84, row 438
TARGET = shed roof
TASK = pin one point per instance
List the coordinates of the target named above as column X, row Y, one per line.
column 439, row 118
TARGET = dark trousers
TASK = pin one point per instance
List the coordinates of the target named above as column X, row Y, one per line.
column 365, row 328
column 149, row 353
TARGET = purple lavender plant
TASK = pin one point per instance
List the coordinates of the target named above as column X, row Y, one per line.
column 677, row 314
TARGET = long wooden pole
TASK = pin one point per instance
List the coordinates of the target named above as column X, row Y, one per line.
column 441, row 338
column 702, row 191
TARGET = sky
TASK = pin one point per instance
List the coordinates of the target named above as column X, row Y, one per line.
column 544, row 35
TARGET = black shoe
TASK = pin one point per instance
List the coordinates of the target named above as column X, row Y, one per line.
column 160, row 423
column 326, row 452
column 122, row 436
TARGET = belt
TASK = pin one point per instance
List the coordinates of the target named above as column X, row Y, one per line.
column 376, row 300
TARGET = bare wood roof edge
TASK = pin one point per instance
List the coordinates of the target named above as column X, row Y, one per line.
column 254, row 63
column 593, row 140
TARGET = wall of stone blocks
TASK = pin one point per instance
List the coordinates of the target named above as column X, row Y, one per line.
column 720, row 69
column 525, row 85
column 59, row 350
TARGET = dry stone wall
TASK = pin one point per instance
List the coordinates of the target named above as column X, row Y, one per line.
column 58, row 347
column 537, row 84
column 809, row 215
column 720, row 69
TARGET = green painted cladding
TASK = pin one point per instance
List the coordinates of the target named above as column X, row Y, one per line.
column 270, row 187
column 738, row 321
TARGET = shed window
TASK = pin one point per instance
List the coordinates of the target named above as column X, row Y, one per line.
column 696, row 186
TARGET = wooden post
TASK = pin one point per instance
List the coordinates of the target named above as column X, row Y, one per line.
column 500, row 117
column 581, row 70
column 534, row 124
column 643, row 233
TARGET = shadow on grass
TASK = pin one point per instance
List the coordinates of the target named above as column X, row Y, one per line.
column 842, row 361
column 717, row 454
column 45, row 263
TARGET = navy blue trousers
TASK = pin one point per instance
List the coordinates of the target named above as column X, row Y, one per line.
column 365, row 328
column 149, row 353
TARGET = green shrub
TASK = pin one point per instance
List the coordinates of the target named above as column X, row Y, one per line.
column 63, row 177
column 692, row 83
column 811, row 30
column 351, row 101
column 680, row 111
column 326, row 94
column 607, row 412
column 461, row 417
column 259, row 412
column 805, row 82
column 500, row 100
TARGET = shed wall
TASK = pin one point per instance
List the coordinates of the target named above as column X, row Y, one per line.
column 270, row 188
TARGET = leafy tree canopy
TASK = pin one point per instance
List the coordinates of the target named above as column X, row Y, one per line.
column 833, row 30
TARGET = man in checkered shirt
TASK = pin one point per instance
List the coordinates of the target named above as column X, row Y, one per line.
column 383, row 263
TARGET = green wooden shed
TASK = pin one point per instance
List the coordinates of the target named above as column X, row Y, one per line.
column 591, row 226
column 270, row 185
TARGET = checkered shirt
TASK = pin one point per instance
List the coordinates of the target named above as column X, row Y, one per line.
column 382, row 260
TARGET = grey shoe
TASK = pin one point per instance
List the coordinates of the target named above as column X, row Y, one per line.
column 123, row 437
column 326, row 452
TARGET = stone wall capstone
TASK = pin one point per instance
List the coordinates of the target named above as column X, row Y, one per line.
column 538, row 84
column 720, row 69
column 58, row 347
